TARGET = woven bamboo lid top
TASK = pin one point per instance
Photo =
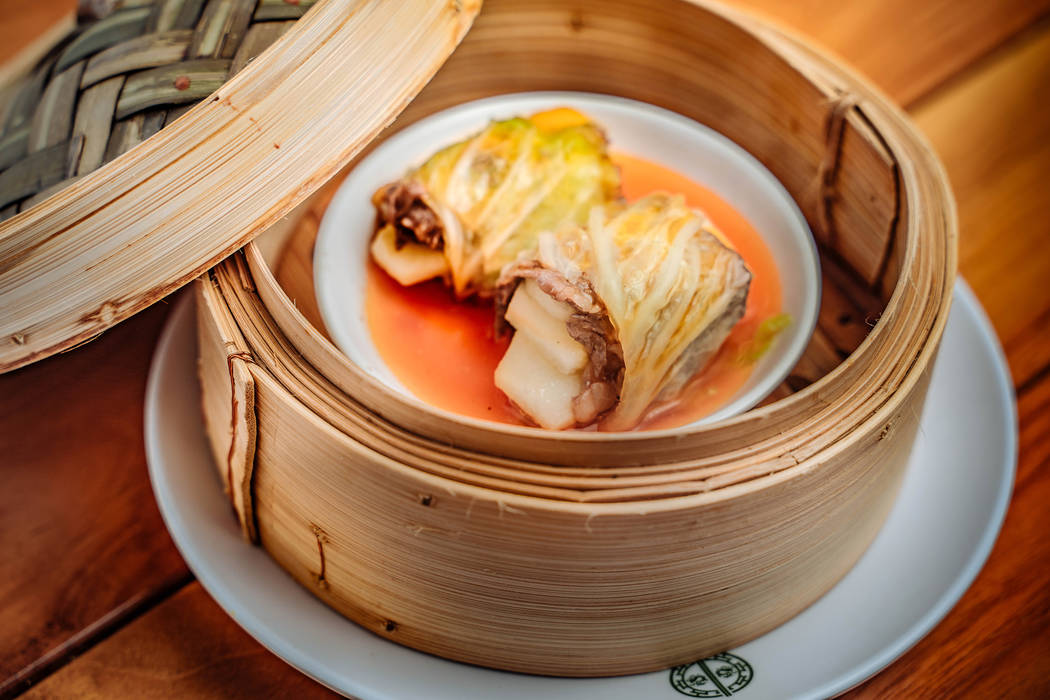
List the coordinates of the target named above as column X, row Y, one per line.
column 117, row 81
column 102, row 212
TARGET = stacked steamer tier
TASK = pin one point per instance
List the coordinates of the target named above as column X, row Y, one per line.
column 578, row 553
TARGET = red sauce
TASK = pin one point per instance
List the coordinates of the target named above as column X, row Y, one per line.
column 445, row 352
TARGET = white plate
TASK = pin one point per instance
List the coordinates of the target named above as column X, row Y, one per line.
column 936, row 539
column 694, row 150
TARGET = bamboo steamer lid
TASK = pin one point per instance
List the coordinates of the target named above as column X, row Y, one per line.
column 114, row 239
column 555, row 553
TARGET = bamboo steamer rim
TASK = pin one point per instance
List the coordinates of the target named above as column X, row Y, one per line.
column 867, row 426
column 502, row 499
column 900, row 137
column 514, row 558
column 71, row 266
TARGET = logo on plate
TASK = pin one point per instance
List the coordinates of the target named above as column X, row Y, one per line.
column 717, row 676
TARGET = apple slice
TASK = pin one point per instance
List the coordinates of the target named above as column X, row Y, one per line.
column 411, row 263
column 533, row 312
column 537, row 387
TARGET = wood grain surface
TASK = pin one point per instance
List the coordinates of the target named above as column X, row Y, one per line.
column 82, row 545
column 907, row 47
column 185, row 647
column 87, row 569
column 992, row 132
column 29, row 28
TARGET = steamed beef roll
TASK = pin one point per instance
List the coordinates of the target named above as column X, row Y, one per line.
column 476, row 205
column 615, row 316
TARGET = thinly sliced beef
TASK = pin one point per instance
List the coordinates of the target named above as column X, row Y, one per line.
column 603, row 375
column 403, row 205
column 579, row 295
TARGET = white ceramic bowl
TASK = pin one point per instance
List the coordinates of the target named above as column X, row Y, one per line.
column 637, row 128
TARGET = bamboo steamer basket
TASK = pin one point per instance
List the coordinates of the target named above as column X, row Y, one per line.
column 577, row 553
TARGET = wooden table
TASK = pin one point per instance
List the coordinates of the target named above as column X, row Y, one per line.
column 95, row 600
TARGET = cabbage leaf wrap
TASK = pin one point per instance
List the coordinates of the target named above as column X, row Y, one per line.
column 648, row 292
column 475, row 206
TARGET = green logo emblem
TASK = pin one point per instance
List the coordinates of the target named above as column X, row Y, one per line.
column 717, row 676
